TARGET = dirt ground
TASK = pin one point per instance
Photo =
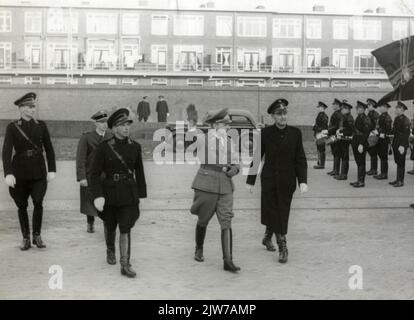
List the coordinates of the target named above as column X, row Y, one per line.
column 332, row 228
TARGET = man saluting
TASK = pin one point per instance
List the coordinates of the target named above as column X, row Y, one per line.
column 25, row 172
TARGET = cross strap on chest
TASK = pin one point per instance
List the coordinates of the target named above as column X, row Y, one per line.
column 37, row 148
column 111, row 146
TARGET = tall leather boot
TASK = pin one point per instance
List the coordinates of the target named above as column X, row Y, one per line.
column 124, row 249
column 25, row 229
column 110, row 245
column 361, row 177
column 384, row 171
column 227, row 247
column 129, row 253
column 200, row 234
column 323, row 159
column 400, row 177
column 374, row 166
column 37, row 224
column 283, row 251
column 344, row 171
column 267, row 240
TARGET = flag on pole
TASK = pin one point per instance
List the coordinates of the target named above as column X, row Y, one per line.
column 397, row 59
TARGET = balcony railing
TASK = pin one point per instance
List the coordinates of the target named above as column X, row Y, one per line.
column 206, row 69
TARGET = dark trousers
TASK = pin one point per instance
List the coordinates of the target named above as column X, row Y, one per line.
column 343, row 146
column 382, row 147
column 162, row 117
column 360, row 159
column 36, row 189
column 336, row 156
column 124, row 216
column 140, row 117
column 373, row 153
column 90, row 219
column 400, row 161
column 321, row 154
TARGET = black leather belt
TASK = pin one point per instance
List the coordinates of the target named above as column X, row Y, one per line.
column 122, row 176
column 214, row 167
column 30, row 153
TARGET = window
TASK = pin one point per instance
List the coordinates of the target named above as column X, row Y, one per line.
column 32, row 54
column 187, row 25
column 130, row 53
column 224, row 26
column 339, row 84
column 313, row 83
column 251, row 26
column 250, row 83
column 340, row 29
column 33, row 21
column 223, row 58
column 188, row 58
column 195, row 82
column 223, row 83
column 101, row 23
column 101, row 54
column 159, row 81
column 286, row 83
column 399, row 30
column 251, row 59
column 61, row 55
column 5, row 21
column 367, row 29
column 372, row 84
column 340, row 58
column 61, row 80
column 287, row 28
column 314, row 29
column 5, row 55
column 286, row 60
column 159, row 25
column 58, row 21
column 33, row 80
column 313, row 59
column 130, row 81
column 5, row 80
column 364, row 61
column 159, row 56
column 109, row 81
column 130, row 24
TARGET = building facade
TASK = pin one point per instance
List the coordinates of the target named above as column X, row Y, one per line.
column 142, row 46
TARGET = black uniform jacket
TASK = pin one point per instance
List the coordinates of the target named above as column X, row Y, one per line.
column 362, row 130
column 23, row 165
column 321, row 122
column 334, row 122
column 401, row 131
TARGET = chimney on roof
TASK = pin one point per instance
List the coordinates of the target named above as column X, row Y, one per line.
column 210, row 4
column 380, row 10
column 318, row 8
column 260, row 7
column 369, row 11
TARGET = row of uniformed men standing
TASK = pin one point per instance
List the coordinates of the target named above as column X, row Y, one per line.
column 373, row 132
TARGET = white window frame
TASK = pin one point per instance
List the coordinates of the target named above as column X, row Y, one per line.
column 33, row 15
column 132, row 17
column 7, row 58
column 241, row 51
column 340, row 29
column 6, row 15
column 51, row 50
column 155, row 49
column 372, row 84
column 130, row 81
column 336, row 54
column 339, row 84
column 63, row 19
column 363, row 29
column 223, row 83
column 313, row 83
column 195, row 82
column 178, row 50
column 317, row 53
column 359, row 53
column 61, row 80
column 276, row 55
column 283, row 24
column 260, row 22
column 28, row 50
column 399, row 29
column 162, row 32
column 159, row 81
column 315, row 24
column 250, row 83
column 192, row 29
column 223, row 21
column 279, row 83
column 96, row 24
column 110, row 61
column 33, row 80
column 101, row 81
column 5, row 79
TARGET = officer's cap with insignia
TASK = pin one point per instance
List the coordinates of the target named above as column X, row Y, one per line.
column 346, row 105
column 144, row 97
column 321, row 104
column 372, row 102
column 27, row 100
column 385, row 104
column 119, row 117
column 220, row 116
column 100, row 116
column 337, row 101
column 401, row 105
column 277, row 106
column 360, row 104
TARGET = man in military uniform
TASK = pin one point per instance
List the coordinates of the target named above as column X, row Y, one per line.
column 401, row 132
column 117, row 196
column 345, row 132
column 359, row 143
column 320, row 128
column 213, row 186
column 143, row 109
column 373, row 150
column 162, row 109
column 86, row 147
column 284, row 166
column 25, row 172
column 333, row 127
column 411, row 140
column 384, row 128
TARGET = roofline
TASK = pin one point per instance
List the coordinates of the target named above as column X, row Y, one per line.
column 379, row 15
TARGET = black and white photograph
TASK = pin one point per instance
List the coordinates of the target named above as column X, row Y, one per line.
column 207, row 150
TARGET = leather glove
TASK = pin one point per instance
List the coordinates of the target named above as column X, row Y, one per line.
column 360, row 148
column 232, row 171
column 51, row 176
column 401, row 149
column 99, row 203
column 83, row 183
column 10, row 180
column 303, row 188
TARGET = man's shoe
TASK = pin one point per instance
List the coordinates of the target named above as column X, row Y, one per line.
column 318, row 166
column 110, row 257
column 399, row 184
column 90, row 228
column 353, row 183
column 410, row 172
column 381, row 176
column 25, row 244
column 332, row 173
column 37, row 240
column 198, row 255
column 359, row 185
column 393, row 182
column 283, row 250
column 341, row 177
column 228, row 265
column 267, row 240
column 372, row 172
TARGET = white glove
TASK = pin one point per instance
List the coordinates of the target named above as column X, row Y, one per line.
column 99, row 203
column 374, row 132
column 51, row 176
column 303, row 188
column 401, row 149
column 382, row 135
column 249, row 188
column 10, row 180
column 168, row 114
column 360, row 148
column 325, row 132
column 83, row 183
